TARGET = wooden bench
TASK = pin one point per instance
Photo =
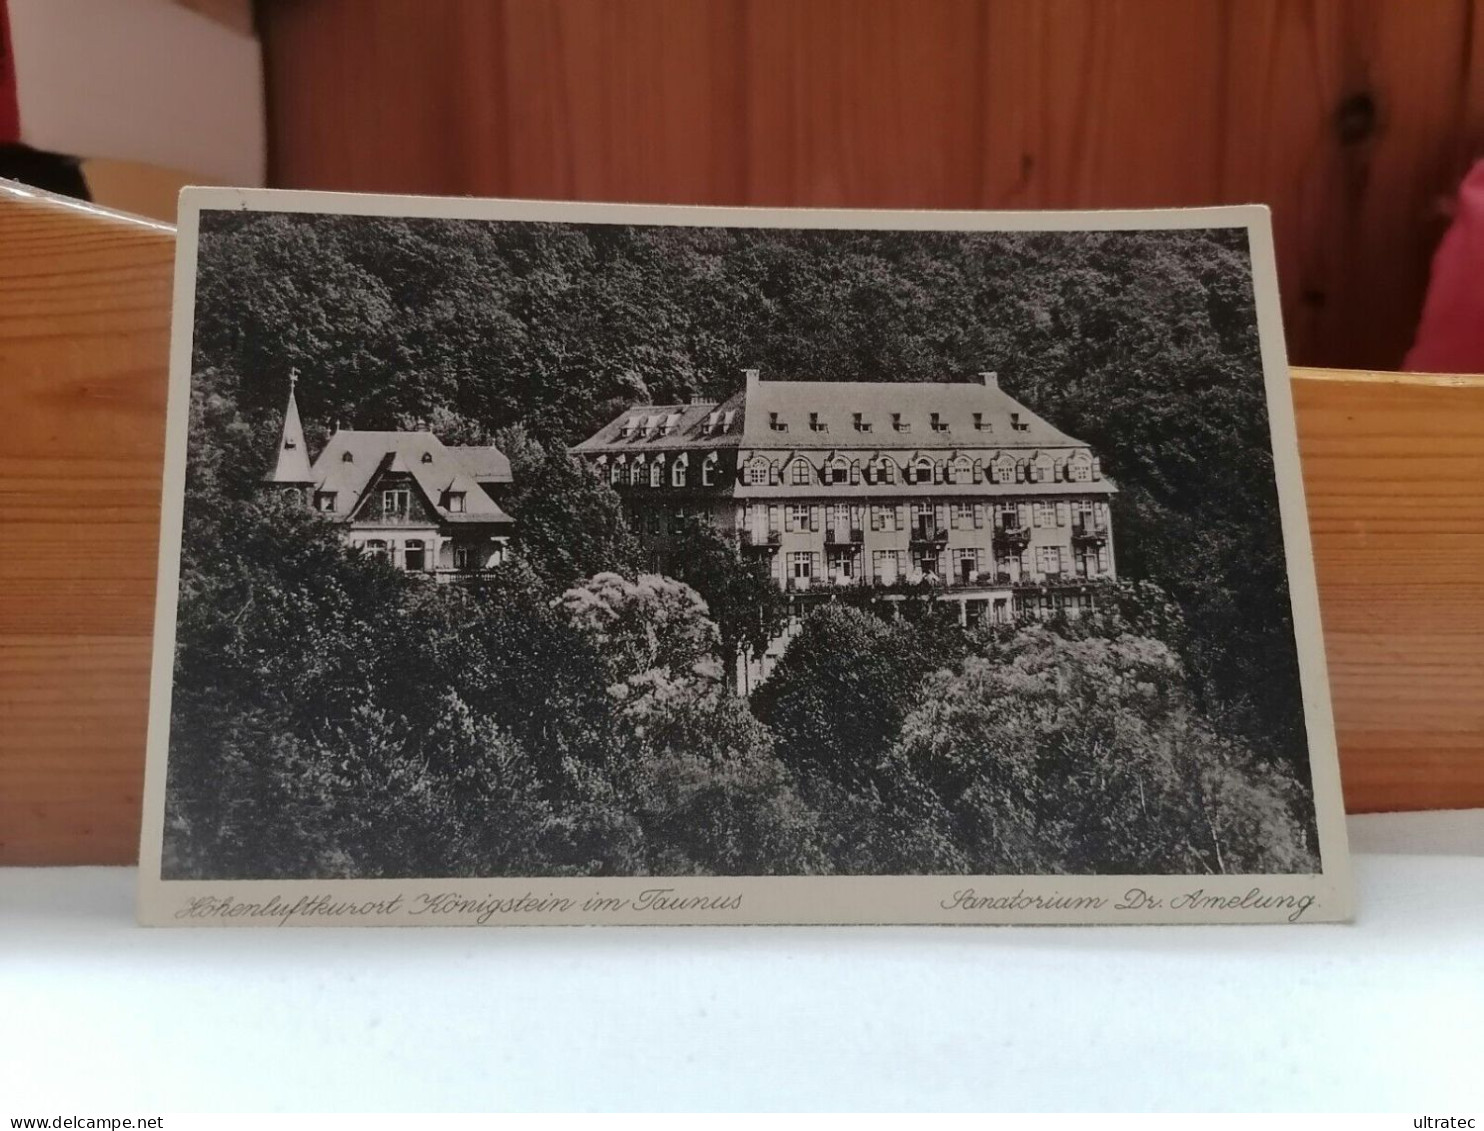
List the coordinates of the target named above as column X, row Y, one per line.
column 1394, row 466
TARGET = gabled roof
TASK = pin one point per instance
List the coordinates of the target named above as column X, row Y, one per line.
column 486, row 464
column 436, row 469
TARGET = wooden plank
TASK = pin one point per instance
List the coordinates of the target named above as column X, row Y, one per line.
column 1392, row 465
column 84, row 342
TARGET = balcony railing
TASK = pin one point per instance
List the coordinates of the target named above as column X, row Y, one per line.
column 928, row 532
column 1012, row 535
column 1084, row 531
column 839, row 536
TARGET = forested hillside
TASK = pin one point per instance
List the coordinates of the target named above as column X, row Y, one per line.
column 1144, row 345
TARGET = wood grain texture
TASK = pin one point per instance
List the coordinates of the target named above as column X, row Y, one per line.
column 1352, row 119
column 1392, row 465
column 84, row 333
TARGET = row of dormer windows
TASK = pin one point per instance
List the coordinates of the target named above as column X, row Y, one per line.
column 668, row 424
column 859, row 421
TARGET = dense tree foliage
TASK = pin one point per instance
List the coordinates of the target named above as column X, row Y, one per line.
column 570, row 715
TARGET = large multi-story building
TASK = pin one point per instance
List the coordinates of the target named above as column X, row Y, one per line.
column 406, row 497
column 882, row 484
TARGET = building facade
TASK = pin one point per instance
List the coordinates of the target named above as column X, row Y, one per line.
column 405, row 497
column 875, row 484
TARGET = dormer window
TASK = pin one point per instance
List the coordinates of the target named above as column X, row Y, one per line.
column 816, row 425
column 1018, row 424
column 324, row 502
column 628, row 427
column 348, row 457
column 757, row 473
column 456, row 502
column 861, row 423
column 800, row 474
column 898, row 424
column 427, row 457
column 839, row 471
column 775, row 424
column 289, row 444
column 938, row 423
column 727, row 418
column 671, row 423
column 980, row 424
column 712, row 420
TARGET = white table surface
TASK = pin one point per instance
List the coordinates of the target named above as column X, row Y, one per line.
column 1386, row 1014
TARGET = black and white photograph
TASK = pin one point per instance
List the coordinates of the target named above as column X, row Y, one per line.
column 558, row 563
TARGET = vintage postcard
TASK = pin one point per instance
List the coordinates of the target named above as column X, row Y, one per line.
column 535, row 563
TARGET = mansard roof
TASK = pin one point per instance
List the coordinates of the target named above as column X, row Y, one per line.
column 435, row 467
column 821, row 416
column 643, row 427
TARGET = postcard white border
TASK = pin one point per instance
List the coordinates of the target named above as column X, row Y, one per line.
column 1323, row 897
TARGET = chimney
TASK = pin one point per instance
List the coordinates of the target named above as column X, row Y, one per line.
column 990, row 378
column 753, row 377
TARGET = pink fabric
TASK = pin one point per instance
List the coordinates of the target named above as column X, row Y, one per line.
column 1450, row 338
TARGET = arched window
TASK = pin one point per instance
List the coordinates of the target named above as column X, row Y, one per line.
column 886, row 471
column 922, row 470
column 839, row 470
column 708, row 471
column 615, row 472
column 656, row 474
column 757, row 473
column 677, row 473
column 800, row 475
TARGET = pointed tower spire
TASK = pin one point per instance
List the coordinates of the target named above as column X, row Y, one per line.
column 292, row 466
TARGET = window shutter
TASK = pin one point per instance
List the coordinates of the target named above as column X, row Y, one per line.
column 901, row 516
column 941, row 516
column 978, row 516
column 1023, row 513
column 816, row 517
column 774, row 519
column 773, row 474
column 1061, row 514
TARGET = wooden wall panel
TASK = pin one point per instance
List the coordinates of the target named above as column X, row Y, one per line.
column 1392, row 466
column 1352, row 118
column 84, row 344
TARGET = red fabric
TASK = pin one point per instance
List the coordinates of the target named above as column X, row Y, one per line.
column 10, row 110
column 1450, row 338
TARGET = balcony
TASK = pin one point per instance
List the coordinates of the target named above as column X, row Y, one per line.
column 927, row 532
column 1013, row 535
column 838, row 536
column 752, row 541
column 1089, row 532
